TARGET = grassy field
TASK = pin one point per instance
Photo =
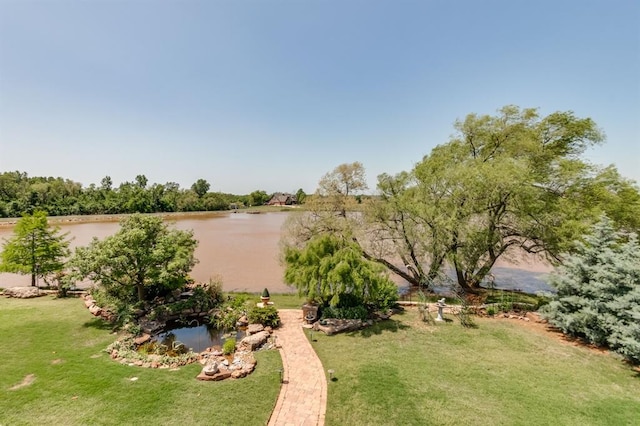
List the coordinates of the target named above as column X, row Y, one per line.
column 398, row 372
column 404, row 372
column 57, row 345
column 280, row 300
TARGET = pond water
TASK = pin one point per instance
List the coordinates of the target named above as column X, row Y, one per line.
column 243, row 250
column 194, row 335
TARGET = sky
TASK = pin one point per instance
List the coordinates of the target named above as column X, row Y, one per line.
column 271, row 95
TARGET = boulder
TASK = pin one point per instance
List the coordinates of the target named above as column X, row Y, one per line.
column 242, row 321
column 95, row 310
column 142, row 339
column 254, row 341
column 210, row 369
column 238, row 374
column 333, row 326
column 254, row 328
column 22, row 292
column 220, row 375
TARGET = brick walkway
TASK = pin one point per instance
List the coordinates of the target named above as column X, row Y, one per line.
column 303, row 395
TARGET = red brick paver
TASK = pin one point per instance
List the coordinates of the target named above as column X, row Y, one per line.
column 303, row 395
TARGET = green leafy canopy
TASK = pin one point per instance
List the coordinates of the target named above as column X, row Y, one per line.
column 329, row 268
column 145, row 254
column 35, row 248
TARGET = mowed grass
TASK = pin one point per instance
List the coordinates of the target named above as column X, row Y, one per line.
column 279, row 300
column 404, row 372
column 59, row 345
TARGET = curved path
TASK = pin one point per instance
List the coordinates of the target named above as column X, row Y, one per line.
column 303, row 395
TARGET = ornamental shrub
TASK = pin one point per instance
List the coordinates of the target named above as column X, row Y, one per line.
column 267, row 316
column 229, row 346
column 352, row 312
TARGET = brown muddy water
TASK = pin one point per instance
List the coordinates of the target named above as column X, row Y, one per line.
column 243, row 249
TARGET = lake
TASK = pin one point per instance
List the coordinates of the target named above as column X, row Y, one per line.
column 243, row 249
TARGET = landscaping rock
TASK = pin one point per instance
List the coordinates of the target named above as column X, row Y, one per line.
column 210, row 369
column 22, row 292
column 242, row 322
column 95, row 310
column 254, row 328
column 333, row 326
column 254, row 341
column 142, row 339
column 238, row 374
column 220, row 375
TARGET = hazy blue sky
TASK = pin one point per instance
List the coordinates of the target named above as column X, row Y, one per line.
column 273, row 94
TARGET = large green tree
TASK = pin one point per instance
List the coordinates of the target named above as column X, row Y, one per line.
column 36, row 248
column 200, row 187
column 598, row 296
column 258, row 198
column 330, row 268
column 504, row 184
column 144, row 257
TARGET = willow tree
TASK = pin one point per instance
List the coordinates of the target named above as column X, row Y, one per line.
column 330, row 269
column 35, row 249
column 505, row 183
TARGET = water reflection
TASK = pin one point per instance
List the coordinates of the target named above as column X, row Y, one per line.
column 196, row 337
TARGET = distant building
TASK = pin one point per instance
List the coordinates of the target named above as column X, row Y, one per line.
column 282, row 199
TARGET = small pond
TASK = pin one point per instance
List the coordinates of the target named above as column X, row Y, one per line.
column 195, row 335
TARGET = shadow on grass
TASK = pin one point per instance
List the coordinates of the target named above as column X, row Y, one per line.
column 98, row 324
column 378, row 328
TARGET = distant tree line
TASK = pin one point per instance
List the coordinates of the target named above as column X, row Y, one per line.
column 20, row 193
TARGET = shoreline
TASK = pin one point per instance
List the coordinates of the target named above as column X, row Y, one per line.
column 8, row 222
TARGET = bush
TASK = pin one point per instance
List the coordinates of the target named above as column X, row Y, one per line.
column 267, row 316
column 238, row 302
column 123, row 310
column 230, row 312
column 352, row 312
column 386, row 297
column 225, row 319
column 213, row 291
column 229, row 346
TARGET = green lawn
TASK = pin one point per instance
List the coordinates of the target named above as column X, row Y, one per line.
column 404, row 372
column 399, row 372
column 60, row 343
column 280, row 300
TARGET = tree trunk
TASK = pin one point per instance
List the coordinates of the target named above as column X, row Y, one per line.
column 140, row 292
column 469, row 288
column 33, row 279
